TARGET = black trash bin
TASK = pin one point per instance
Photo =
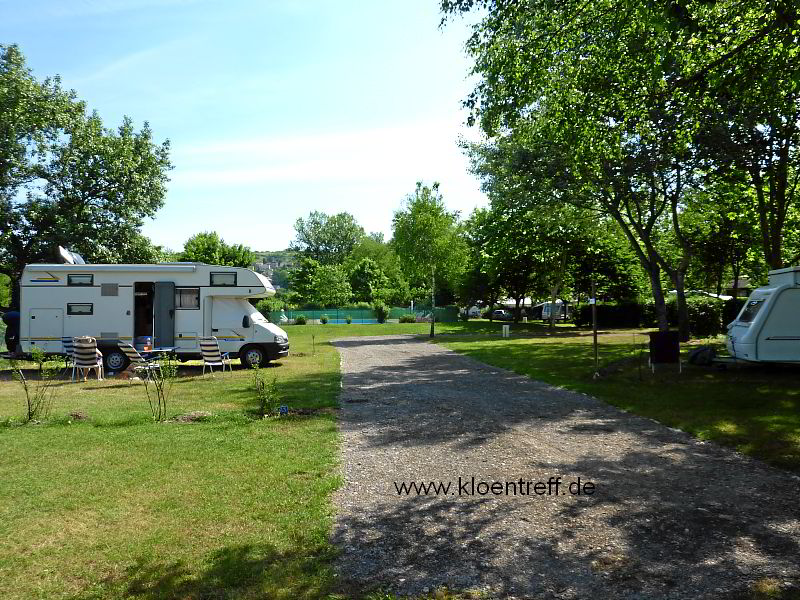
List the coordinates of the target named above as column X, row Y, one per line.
column 665, row 348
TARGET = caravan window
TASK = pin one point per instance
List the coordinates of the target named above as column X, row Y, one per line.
column 750, row 311
column 223, row 279
column 80, row 279
column 80, row 309
column 187, row 298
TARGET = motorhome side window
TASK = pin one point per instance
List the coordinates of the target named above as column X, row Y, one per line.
column 80, row 279
column 187, row 298
column 80, row 309
column 223, row 279
column 750, row 311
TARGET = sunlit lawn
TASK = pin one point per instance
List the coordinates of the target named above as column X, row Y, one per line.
column 755, row 409
column 110, row 504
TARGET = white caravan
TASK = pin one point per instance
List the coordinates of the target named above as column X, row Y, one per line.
column 768, row 326
column 174, row 303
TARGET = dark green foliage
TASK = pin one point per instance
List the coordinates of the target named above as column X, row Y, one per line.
column 66, row 179
column 705, row 315
column 731, row 309
column 408, row 319
column 323, row 319
column 348, row 319
column 381, row 312
column 300, row 320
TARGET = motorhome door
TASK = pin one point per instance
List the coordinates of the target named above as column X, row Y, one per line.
column 164, row 314
column 46, row 328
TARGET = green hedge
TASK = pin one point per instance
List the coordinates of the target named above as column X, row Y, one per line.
column 707, row 316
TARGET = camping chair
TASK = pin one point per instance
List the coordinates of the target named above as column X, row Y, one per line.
column 138, row 362
column 212, row 357
column 69, row 355
column 86, row 357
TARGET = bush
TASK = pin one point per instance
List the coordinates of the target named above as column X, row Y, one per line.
column 349, row 319
column 323, row 319
column 361, row 306
column 408, row 318
column 300, row 320
column 625, row 314
column 705, row 315
column 381, row 312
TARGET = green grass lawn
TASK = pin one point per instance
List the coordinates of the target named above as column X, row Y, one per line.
column 115, row 505
column 755, row 409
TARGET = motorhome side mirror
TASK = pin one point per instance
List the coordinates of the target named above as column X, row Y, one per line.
column 245, row 321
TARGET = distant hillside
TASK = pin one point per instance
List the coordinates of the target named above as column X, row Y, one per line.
column 277, row 258
column 275, row 265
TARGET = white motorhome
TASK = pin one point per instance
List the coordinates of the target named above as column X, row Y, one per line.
column 173, row 303
column 768, row 327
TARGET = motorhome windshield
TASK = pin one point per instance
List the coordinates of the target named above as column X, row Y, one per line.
column 750, row 310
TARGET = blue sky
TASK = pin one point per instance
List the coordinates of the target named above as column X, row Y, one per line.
column 273, row 108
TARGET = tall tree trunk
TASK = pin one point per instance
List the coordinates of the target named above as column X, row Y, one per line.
column 517, row 318
column 683, row 308
column 654, row 271
column 15, row 290
column 554, row 289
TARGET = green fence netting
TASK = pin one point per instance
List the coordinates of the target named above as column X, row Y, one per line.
column 447, row 314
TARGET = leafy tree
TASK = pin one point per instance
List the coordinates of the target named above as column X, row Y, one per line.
column 426, row 237
column 327, row 239
column 208, row 247
column 330, row 287
column 366, row 278
column 625, row 90
column 301, row 280
column 67, row 180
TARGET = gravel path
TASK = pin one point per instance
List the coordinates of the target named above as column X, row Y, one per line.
column 670, row 517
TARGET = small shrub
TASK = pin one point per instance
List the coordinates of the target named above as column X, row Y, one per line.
column 381, row 312
column 349, row 319
column 464, row 316
column 158, row 386
column 323, row 319
column 39, row 394
column 408, row 318
column 266, row 393
column 300, row 320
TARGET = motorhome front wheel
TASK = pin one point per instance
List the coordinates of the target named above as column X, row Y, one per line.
column 252, row 356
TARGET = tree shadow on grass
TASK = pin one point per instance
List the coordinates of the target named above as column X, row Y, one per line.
column 236, row 571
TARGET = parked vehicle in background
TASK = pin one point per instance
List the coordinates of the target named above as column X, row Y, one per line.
column 767, row 328
column 170, row 305
column 502, row 315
